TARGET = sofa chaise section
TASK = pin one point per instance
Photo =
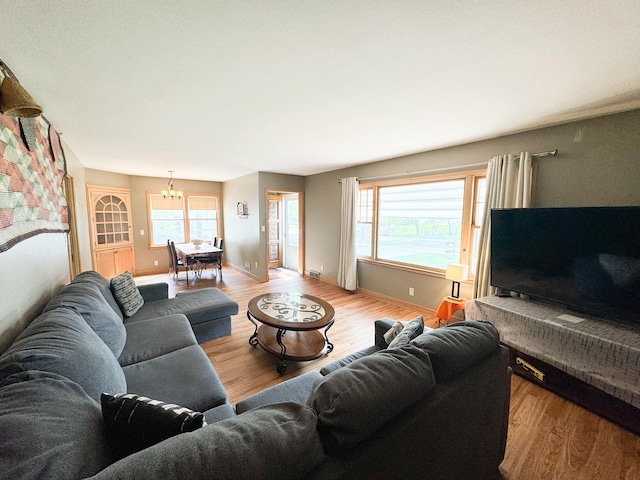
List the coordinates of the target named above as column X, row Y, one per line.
column 209, row 310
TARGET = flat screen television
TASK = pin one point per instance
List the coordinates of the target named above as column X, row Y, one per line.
column 586, row 258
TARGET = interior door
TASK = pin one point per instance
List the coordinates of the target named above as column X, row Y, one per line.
column 111, row 235
column 291, row 208
column 274, row 230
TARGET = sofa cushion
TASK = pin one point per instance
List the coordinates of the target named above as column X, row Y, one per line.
column 134, row 422
column 296, row 389
column 126, row 294
column 60, row 341
column 278, row 442
column 86, row 299
column 411, row 330
column 184, row 377
column 103, row 285
column 457, row 346
column 154, row 337
column 199, row 306
column 50, row 429
column 357, row 399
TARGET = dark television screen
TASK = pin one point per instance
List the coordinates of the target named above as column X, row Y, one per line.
column 586, row 258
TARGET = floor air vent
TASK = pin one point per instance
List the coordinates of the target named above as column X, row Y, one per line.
column 314, row 274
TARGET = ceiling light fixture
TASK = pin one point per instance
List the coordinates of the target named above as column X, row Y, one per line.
column 170, row 192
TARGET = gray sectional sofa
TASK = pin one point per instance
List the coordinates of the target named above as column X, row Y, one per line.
column 433, row 407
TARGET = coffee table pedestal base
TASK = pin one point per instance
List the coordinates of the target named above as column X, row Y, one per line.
column 292, row 345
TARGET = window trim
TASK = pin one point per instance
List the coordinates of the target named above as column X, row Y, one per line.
column 186, row 219
column 471, row 178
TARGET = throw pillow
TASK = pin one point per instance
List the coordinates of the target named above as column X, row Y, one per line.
column 393, row 332
column 134, row 423
column 357, row 399
column 458, row 346
column 411, row 330
column 126, row 294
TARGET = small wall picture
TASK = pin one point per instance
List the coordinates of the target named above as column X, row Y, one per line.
column 241, row 209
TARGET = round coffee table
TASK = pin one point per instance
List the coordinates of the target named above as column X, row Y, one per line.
column 294, row 317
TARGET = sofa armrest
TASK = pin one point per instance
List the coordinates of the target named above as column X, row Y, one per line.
column 154, row 291
column 381, row 327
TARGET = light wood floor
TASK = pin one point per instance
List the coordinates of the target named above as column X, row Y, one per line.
column 549, row 437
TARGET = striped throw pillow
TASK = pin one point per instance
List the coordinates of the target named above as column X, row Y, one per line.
column 126, row 293
column 134, row 422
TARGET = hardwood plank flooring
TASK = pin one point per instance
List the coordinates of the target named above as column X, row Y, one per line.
column 549, row 437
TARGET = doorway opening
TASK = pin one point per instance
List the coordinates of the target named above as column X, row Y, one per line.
column 285, row 233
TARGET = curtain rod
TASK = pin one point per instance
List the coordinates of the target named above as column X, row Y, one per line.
column 551, row 153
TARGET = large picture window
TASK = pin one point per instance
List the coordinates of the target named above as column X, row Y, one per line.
column 182, row 219
column 421, row 224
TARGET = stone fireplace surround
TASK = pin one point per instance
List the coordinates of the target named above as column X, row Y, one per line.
column 592, row 361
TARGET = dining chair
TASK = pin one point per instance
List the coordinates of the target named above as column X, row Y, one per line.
column 214, row 259
column 172, row 258
column 178, row 264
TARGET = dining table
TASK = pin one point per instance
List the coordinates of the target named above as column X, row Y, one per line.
column 197, row 257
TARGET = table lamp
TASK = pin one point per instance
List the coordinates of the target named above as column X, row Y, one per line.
column 456, row 272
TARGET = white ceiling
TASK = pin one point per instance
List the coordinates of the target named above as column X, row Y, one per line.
column 219, row 89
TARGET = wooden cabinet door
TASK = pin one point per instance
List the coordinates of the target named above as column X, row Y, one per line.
column 111, row 262
column 123, row 259
column 111, row 230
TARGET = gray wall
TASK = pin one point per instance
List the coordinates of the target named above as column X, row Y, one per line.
column 245, row 238
column 242, row 235
column 598, row 165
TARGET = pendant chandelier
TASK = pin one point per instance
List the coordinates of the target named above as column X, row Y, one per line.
column 170, row 191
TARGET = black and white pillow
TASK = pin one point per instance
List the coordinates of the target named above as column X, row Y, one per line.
column 126, row 293
column 134, row 422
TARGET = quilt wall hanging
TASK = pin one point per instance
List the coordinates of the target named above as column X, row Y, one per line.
column 32, row 171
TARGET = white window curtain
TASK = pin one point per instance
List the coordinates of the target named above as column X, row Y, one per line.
column 348, row 260
column 508, row 186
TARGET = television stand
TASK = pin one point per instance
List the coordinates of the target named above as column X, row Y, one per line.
column 588, row 360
